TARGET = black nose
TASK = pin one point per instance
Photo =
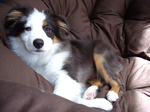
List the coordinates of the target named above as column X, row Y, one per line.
column 38, row 43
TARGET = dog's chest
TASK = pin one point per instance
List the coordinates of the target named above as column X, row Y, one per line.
column 54, row 65
column 57, row 61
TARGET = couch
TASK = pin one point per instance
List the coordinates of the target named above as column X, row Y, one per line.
column 123, row 24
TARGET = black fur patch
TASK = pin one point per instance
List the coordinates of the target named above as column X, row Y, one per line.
column 15, row 20
column 58, row 24
column 80, row 65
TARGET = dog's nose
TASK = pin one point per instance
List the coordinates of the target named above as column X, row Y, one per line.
column 38, row 43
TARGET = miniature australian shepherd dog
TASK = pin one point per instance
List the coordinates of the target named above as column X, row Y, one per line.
column 38, row 38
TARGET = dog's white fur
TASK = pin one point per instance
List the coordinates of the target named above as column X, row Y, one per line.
column 49, row 64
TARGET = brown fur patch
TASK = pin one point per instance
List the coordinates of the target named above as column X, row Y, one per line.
column 96, row 82
column 66, row 61
column 56, row 40
column 114, row 86
column 62, row 26
column 45, row 23
column 14, row 15
column 100, row 68
column 18, row 35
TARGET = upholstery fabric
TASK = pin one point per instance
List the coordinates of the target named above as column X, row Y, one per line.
column 123, row 24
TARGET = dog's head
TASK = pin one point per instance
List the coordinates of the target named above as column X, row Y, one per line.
column 37, row 30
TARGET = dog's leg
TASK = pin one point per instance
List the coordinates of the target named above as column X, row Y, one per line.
column 67, row 87
column 112, row 95
column 91, row 91
column 70, row 89
column 97, row 102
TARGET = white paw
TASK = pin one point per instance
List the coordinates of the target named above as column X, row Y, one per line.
column 112, row 96
column 90, row 93
column 103, row 104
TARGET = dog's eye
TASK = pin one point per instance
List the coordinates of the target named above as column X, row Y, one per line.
column 47, row 29
column 28, row 28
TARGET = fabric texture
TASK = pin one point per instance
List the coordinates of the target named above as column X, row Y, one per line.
column 123, row 24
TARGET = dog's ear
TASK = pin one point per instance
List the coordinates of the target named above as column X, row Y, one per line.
column 63, row 26
column 59, row 23
column 14, row 15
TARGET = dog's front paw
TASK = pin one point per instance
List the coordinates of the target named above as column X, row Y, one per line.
column 112, row 96
column 90, row 93
column 104, row 104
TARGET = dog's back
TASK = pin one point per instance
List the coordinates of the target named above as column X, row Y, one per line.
column 81, row 65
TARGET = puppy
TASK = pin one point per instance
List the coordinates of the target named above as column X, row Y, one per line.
column 38, row 38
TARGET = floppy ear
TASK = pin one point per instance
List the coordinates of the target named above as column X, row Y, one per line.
column 62, row 26
column 14, row 15
column 15, row 20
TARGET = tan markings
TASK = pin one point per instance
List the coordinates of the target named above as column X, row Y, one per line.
column 56, row 40
column 114, row 86
column 45, row 23
column 96, row 82
column 66, row 61
column 98, row 59
column 62, row 26
column 18, row 36
column 14, row 15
